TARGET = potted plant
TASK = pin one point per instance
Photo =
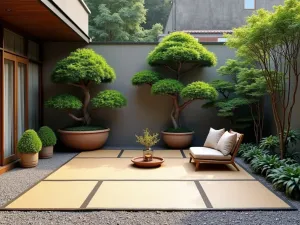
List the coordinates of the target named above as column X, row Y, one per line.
column 48, row 139
column 28, row 147
column 80, row 69
column 180, row 53
column 148, row 140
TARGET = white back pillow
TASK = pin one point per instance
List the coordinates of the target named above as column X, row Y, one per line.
column 213, row 138
column 226, row 143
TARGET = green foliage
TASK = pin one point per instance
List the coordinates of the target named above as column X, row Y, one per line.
column 64, row 101
column 199, row 90
column 83, row 66
column 252, row 154
column 179, row 130
column 269, row 143
column 232, row 68
column 145, row 77
column 271, row 40
column 120, row 20
column 29, row 142
column 293, row 137
column 47, row 136
column 223, row 87
column 244, row 147
column 84, row 128
column 226, row 108
column 109, row 99
column 167, row 87
column 157, row 12
column 148, row 139
column 263, row 164
column 251, row 84
column 287, row 178
column 181, row 47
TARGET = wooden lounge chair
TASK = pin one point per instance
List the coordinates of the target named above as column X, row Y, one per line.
column 212, row 156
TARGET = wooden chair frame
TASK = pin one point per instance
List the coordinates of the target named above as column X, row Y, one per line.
column 215, row 161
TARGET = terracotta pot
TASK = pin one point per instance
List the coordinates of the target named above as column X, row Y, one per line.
column 46, row 152
column 178, row 140
column 29, row 160
column 84, row 140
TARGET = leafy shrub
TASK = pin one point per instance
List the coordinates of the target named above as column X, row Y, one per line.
column 287, row 178
column 64, row 101
column 263, row 164
column 83, row 65
column 29, row 142
column 199, row 90
column 269, row 143
column 167, row 87
column 47, row 136
column 244, row 148
column 180, row 46
column 109, row 99
column 252, row 153
column 293, row 137
column 145, row 77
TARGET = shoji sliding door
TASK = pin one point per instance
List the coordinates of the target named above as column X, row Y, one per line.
column 33, row 96
column 15, row 103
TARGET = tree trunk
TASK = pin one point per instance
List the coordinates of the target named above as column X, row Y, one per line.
column 86, row 102
column 175, row 112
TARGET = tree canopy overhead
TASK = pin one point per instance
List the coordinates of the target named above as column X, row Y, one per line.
column 120, row 20
column 179, row 48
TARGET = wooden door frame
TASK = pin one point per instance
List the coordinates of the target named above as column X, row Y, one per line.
column 16, row 60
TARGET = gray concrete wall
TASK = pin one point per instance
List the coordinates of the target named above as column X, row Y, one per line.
column 213, row 14
column 143, row 109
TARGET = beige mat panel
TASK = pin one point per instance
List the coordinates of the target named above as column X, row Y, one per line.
column 241, row 194
column 147, row 195
column 158, row 153
column 187, row 153
column 100, row 153
column 54, row 195
column 122, row 169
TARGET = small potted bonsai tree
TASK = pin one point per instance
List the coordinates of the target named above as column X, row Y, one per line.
column 148, row 140
column 48, row 139
column 29, row 146
column 180, row 53
column 80, row 69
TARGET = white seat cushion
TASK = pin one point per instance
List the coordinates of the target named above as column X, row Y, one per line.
column 208, row 153
column 213, row 138
column 227, row 143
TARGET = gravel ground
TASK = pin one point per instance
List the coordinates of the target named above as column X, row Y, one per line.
column 16, row 181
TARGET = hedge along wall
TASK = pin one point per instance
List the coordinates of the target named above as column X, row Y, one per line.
column 143, row 109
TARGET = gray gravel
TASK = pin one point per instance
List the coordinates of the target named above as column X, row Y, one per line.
column 18, row 180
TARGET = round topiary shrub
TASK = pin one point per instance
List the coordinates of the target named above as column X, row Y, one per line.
column 29, row 142
column 47, row 136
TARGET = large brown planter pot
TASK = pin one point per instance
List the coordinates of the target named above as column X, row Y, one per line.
column 29, row 160
column 46, row 152
column 178, row 140
column 84, row 140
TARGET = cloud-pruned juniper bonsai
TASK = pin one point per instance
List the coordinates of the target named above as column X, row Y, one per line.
column 80, row 69
column 180, row 53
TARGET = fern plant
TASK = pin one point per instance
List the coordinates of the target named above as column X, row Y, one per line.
column 287, row 178
column 262, row 164
column 269, row 143
column 244, row 148
column 252, row 153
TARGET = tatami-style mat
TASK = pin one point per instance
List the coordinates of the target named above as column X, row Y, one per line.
column 122, row 169
column 107, row 180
